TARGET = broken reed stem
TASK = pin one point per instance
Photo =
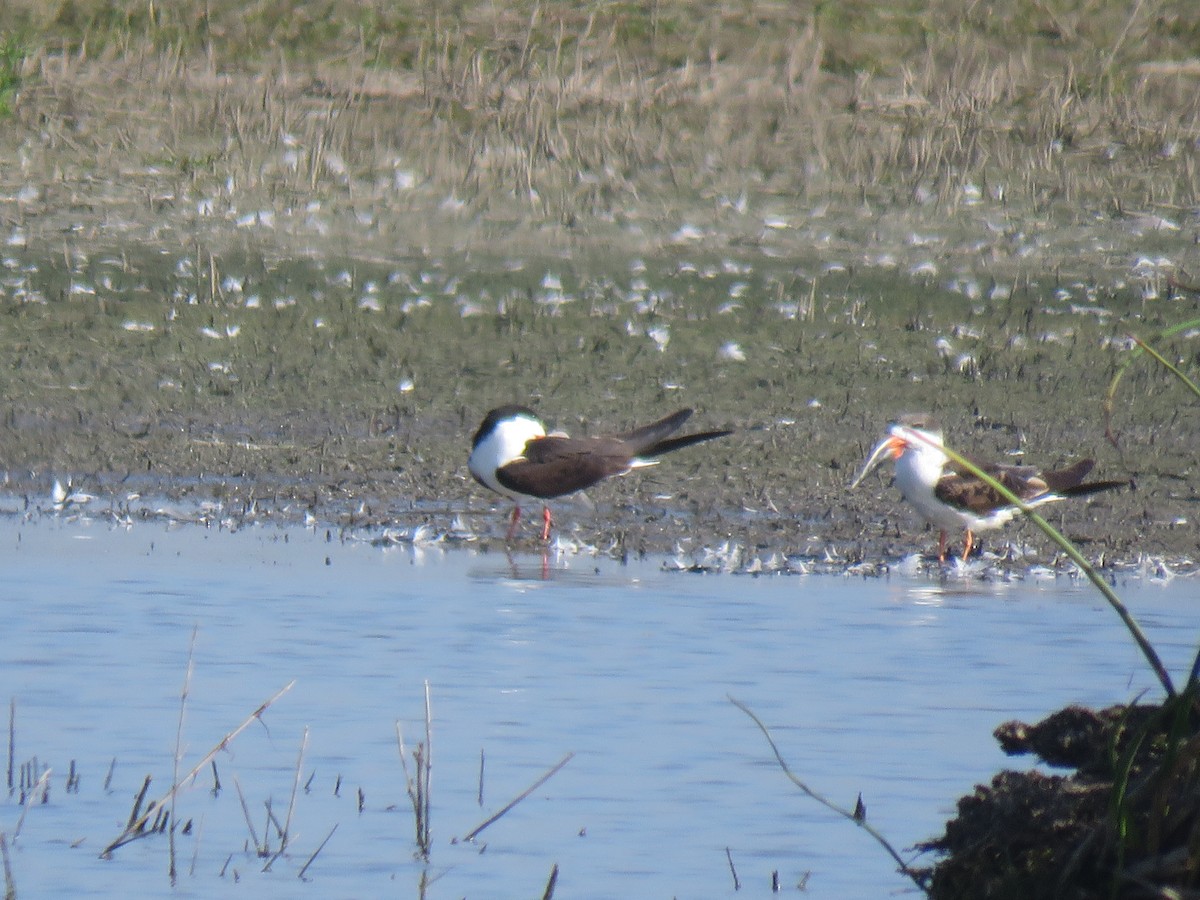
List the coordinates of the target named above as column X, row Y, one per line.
column 320, row 847
column 912, row 874
column 418, row 787
column 12, row 739
column 287, row 821
column 183, row 695
column 130, row 833
column 470, row 836
column 196, row 849
column 480, row 797
column 428, row 763
column 10, row 886
column 258, row 848
column 548, row 893
column 411, row 789
column 37, row 789
column 137, row 802
column 737, row 885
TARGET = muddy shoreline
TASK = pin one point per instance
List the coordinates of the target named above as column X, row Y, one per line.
column 302, row 286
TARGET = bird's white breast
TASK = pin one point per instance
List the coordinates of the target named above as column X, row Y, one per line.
column 505, row 444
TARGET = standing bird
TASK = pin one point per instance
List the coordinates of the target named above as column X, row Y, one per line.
column 513, row 455
column 951, row 500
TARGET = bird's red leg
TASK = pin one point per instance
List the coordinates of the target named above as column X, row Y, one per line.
column 512, row 526
column 941, row 546
column 546, row 521
column 967, row 547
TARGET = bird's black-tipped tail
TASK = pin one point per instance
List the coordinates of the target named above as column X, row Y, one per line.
column 1092, row 487
column 1068, row 482
column 655, row 439
column 684, row 440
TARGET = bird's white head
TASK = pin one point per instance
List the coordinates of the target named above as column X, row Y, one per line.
column 912, row 441
column 916, row 442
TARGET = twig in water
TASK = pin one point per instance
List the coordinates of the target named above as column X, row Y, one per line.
column 196, row 848
column 131, row 832
column 258, row 848
column 737, row 885
column 271, row 820
column 183, row 695
column 481, row 777
column 12, row 739
column 912, row 874
column 470, row 836
column 548, row 894
column 137, row 803
column 10, row 887
column 418, row 788
column 29, row 802
column 287, row 822
column 112, row 767
column 428, row 762
column 320, row 847
column 216, row 788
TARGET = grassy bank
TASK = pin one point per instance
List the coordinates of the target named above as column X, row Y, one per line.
column 575, row 122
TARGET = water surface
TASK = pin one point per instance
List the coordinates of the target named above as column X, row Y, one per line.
column 885, row 687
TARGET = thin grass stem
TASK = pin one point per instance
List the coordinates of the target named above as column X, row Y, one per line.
column 183, row 696
column 320, row 847
column 131, row 832
column 287, row 821
column 1076, row 557
column 862, row 823
column 470, row 836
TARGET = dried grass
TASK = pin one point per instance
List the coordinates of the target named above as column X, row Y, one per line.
column 580, row 117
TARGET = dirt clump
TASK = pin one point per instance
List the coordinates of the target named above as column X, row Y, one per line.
column 1125, row 823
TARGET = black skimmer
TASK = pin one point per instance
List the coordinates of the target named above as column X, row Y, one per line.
column 513, row 455
column 951, row 500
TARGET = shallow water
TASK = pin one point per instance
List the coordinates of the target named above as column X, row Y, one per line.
column 885, row 687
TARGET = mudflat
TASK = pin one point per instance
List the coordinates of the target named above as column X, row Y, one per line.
column 288, row 262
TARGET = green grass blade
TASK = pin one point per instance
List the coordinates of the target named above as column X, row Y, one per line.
column 1086, row 567
column 1174, row 370
column 1111, row 393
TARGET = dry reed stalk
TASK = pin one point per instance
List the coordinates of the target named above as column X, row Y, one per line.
column 41, row 784
column 10, row 886
column 479, row 798
column 548, row 893
column 12, row 739
column 259, row 849
column 320, row 847
column 287, row 821
column 917, row 878
column 183, row 695
column 132, row 832
column 737, row 885
column 470, row 836
column 418, row 788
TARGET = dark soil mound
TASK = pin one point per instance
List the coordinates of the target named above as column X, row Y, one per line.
column 1126, row 823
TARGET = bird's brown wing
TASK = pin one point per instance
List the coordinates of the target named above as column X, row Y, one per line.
column 977, row 496
column 555, row 465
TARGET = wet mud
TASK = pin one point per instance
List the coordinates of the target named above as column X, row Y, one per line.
column 1123, row 823
column 349, row 390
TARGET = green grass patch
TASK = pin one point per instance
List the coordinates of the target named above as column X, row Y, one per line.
column 12, row 57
